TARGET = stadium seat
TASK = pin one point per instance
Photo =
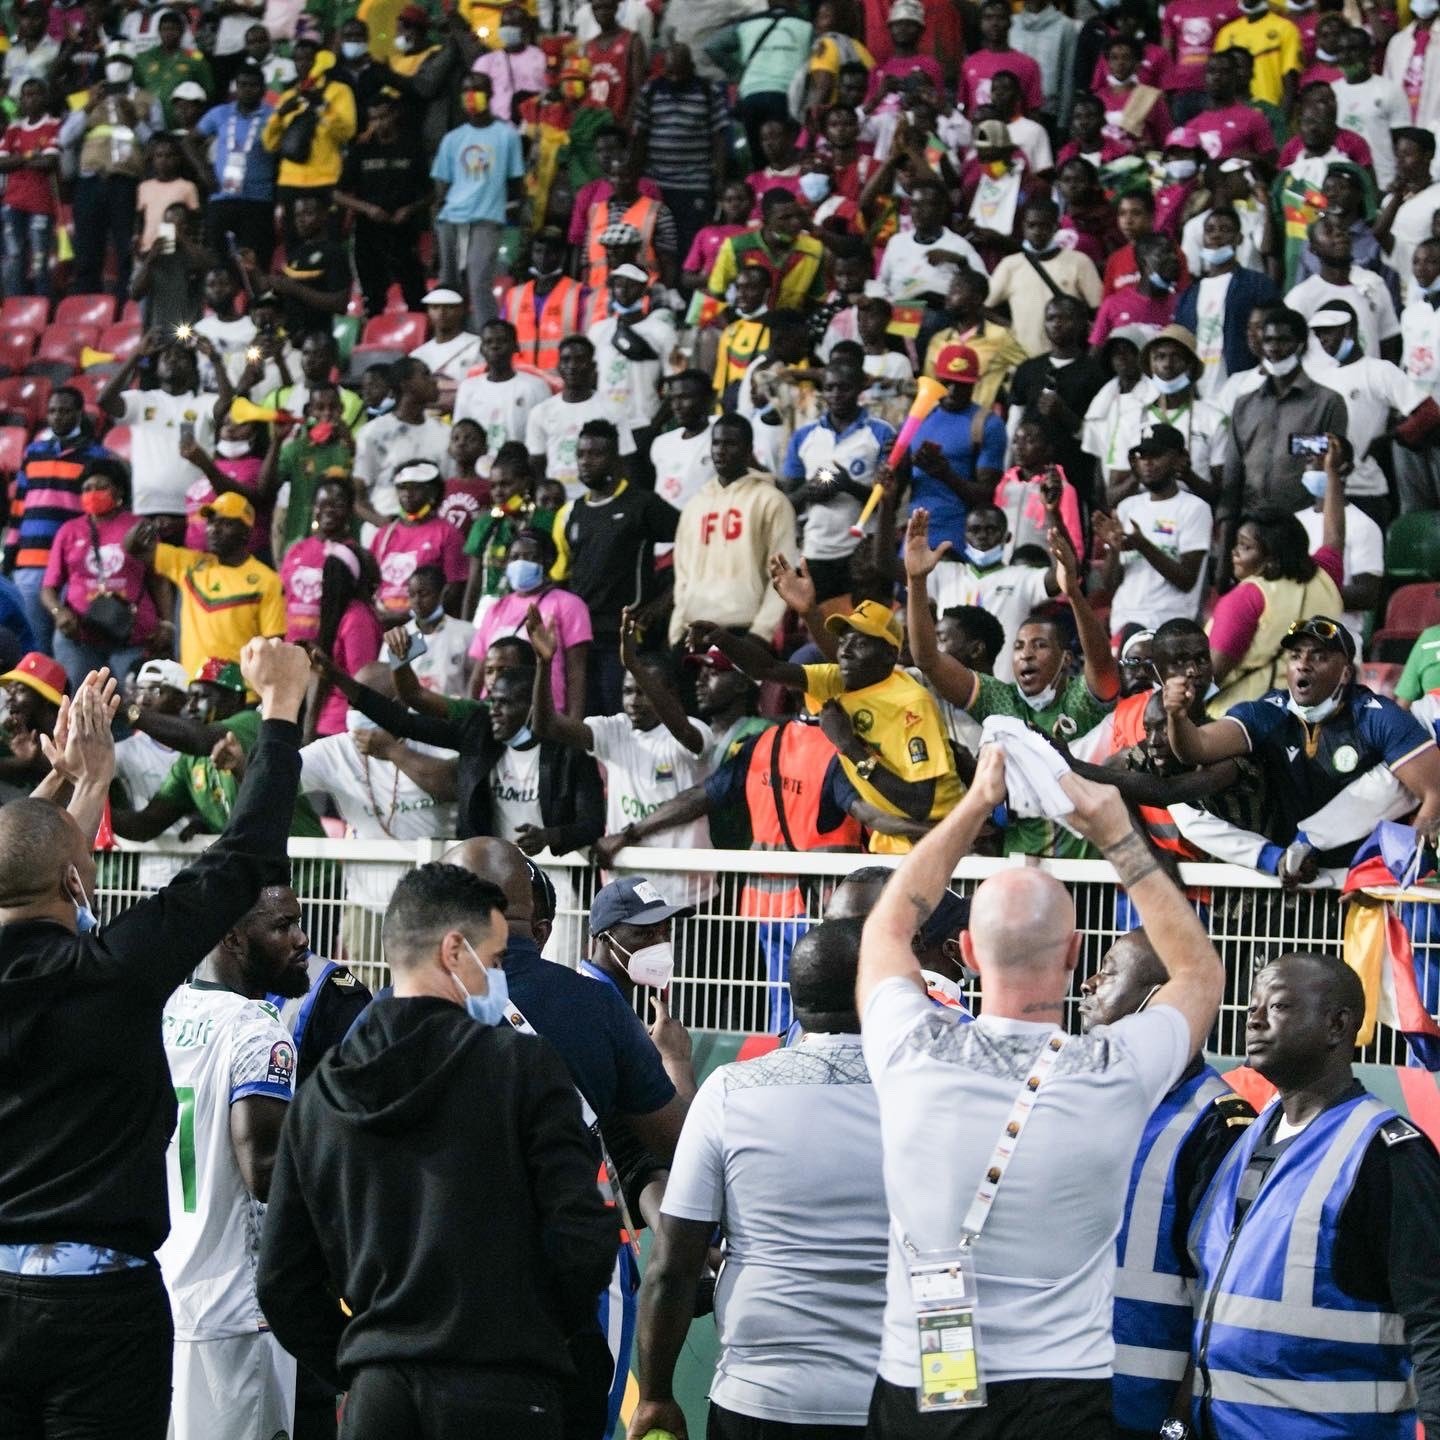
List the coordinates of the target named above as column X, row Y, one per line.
column 121, row 340
column 395, row 301
column 1413, row 608
column 16, row 348
column 131, row 314
column 65, row 342
column 25, row 396
column 403, row 331
column 25, row 312
column 1412, row 547
column 96, row 310
column 1380, row 678
column 117, row 441
column 13, row 440
column 362, row 357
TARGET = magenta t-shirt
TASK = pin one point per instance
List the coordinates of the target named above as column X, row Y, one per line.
column 464, row 500
column 762, row 180
column 1233, row 130
column 1189, row 30
column 245, row 473
column 983, row 66
column 902, row 67
column 73, row 573
column 1237, row 613
column 357, row 642
column 706, row 246
column 301, row 574
column 568, row 614
column 1130, row 307
column 403, row 547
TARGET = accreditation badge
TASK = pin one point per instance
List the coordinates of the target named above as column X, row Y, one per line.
column 942, row 1286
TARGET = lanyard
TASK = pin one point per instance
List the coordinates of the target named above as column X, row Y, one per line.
column 1004, row 1152
column 249, row 135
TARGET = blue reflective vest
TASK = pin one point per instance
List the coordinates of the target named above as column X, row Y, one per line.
column 1154, row 1310
column 1282, row 1353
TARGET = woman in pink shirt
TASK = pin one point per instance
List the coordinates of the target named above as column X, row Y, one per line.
column 350, row 634
column 737, row 200
column 87, row 559
column 782, row 161
column 529, row 560
column 1028, row 490
column 304, row 563
column 236, row 465
column 420, row 536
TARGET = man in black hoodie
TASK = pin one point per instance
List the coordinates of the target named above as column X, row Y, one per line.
column 435, row 1175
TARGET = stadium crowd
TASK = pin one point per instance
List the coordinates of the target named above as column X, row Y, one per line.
column 912, row 427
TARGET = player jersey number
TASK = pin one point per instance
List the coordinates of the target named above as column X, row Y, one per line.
column 185, row 1099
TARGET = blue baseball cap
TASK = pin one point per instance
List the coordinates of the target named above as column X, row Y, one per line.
column 950, row 916
column 631, row 901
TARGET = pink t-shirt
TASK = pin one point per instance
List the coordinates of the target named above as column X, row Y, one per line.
column 1130, row 307
column 245, row 472
column 464, row 500
column 1188, row 31
column 902, row 67
column 1021, row 497
column 1156, row 126
column 72, row 570
column 155, row 197
column 402, row 548
column 566, row 613
column 509, row 74
column 1237, row 614
column 762, row 180
column 1233, row 130
column 706, row 246
column 357, row 642
column 1347, row 144
column 983, row 66
column 1150, row 70
column 301, row 574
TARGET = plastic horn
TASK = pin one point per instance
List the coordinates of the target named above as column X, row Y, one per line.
column 928, row 394
column 243, row 412
column 90, row 358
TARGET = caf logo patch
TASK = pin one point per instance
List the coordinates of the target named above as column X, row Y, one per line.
column 918, row 753
column 864, row 722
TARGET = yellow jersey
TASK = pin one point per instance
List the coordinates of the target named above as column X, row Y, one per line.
column 221, row 606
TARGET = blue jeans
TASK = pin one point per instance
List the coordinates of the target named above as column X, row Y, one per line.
column 26, row 267
column 28, row 581
column 79, row 658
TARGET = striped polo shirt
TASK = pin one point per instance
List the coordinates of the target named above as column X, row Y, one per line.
column 47, row 494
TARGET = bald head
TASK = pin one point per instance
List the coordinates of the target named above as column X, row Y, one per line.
column 505, row 865
column 823, row 966
column 38, row 844
column 1023, row 942
column 1326, row 976
column 856, row 894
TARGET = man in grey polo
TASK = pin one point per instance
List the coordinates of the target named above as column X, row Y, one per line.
column 1011, row 1086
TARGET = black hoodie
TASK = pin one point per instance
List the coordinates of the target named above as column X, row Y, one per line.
column 435, row 1173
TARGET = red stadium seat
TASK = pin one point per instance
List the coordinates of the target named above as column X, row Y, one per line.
column 25, row 396
column 17, row 347
column 121, row 340
column 25, row 312
column 89, row 385
column 130, row 313
column 404, row 331
column 395, row 301
column 117, row 441
column 13, row 440
column 1413, row 608
column 65, row 342
column 96, row 310
column 1381, row 678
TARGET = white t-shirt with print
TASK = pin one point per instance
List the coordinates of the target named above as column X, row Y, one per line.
column 682, row 466
column 515, row 790
column 500, row 408
column 1178, row 526
column 1364, row 555
column 553, row 430
column 159, row 477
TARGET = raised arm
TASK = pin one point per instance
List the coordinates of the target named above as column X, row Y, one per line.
column 660, row 695
column 749, row 655
column 1102, row 674
column 407, row 686
column 1199, row 744
column 434, row 774
column 1332, row 515
column 953, row 679
column 545, row 720
column 794, row 586
column 442, row 733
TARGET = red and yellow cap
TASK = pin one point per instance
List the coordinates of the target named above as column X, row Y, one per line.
column 44, row 675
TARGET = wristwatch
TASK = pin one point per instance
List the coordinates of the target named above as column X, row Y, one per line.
column 132, row 714
column 866, row 768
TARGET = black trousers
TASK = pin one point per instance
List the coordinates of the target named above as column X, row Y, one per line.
column 386, row 254
column 85, row 1357
column 727, row 1425
column 1014, row 1410
column 449, row 1402
column 251, row 222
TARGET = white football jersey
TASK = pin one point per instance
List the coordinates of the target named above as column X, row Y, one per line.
column 221, row 1048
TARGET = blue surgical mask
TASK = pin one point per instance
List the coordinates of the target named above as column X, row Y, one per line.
column 1180, row 169
column 383, row 408
column 1160, row 283
column 1037, row 249
column 1172, row 386
column 523, row 576
column 616, row 308
column 814, row 186
column 353, row 49
column 85, row 921
column 1315, row 482
column 521, row 738
column 1220, row 255
column 983, row 559
column 1346, row 350
column 489, row 1008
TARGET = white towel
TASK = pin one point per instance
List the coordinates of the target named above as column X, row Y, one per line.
column 1033, row 768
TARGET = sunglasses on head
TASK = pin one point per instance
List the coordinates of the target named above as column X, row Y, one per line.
column 1320, row 629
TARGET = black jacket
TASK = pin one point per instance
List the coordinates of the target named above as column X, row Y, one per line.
column 436, row 1174
column 572, row 800
column 86, row 1103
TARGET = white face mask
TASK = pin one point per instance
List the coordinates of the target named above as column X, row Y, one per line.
column 814, row 186
column 232, row 449
column 1218, row 255
column 1315, row 714
column 983, row 559
column 511, row 35
column 1315, row 482
column 1180, row 169
column 117, row 72
column 1044, row 699
column 1291, row 362
column 353, row 49
column 650, row 965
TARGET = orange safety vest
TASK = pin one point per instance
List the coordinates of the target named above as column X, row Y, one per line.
column 1127, row 729
column 539, row 336
column 644, row 214
column 803, row 758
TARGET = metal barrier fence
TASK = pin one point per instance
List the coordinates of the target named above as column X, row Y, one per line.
column 730, row 955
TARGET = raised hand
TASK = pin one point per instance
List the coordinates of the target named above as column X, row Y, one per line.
column 1067, row 564
column 228, row 754
column 920, row 559
column 669, row 1036
column 1177, row 695
column 988, row 786
column 793, row 584
column 543, row 639
column 278, row 673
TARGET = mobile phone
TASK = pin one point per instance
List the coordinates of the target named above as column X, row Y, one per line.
column 1308, row 444
column 187, row 432
column 416, row 648
column 165, row 234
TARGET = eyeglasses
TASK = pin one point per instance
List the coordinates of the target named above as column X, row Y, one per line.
column 1320, row 629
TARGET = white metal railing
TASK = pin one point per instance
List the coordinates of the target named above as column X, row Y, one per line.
column 721, row 953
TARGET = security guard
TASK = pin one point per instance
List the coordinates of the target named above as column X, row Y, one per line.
column 1318, row 1245
column 1190, row 1133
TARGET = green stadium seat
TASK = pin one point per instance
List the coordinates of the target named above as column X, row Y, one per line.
column 1412, row 547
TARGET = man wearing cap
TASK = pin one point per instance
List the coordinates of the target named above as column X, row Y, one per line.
column 167, row 65
column 1363, row 291
column 885, row 725
column 1169, row 402
column 1157, row 540
column 631, row 944
column 1316, row 738
column 421, row 535
column 386, row 186
column 214, row 733
column 143, row 761
column 957, row 454
column 996, row 188
column 227, row 596
column 32, row 691
column 451, row 349
column 478, row 173
column 107, row 137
